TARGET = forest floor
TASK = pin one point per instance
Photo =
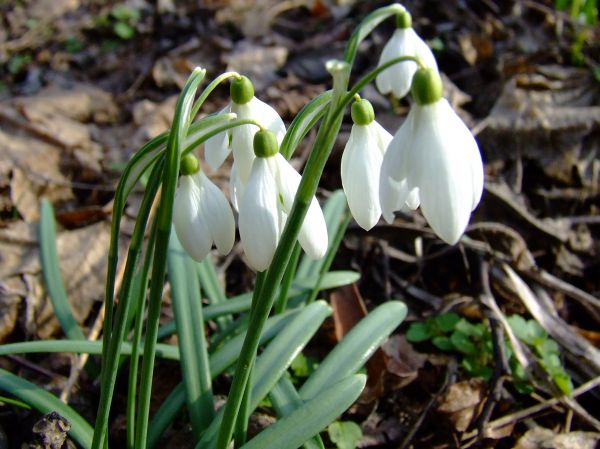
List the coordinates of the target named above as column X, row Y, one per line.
column 84, row 83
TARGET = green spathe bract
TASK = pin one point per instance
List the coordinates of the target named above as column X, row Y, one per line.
column 403, row 20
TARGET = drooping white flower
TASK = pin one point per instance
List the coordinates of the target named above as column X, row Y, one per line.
column 361, row 164
column 239, row 139
column 267, row 200
column 201, row 213
column 404, row 42
column 434, row 159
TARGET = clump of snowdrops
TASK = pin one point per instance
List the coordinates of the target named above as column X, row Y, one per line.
column 432, row 163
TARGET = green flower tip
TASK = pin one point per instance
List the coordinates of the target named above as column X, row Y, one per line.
column 403, row 20
column 362, row 112
column 241, row 90
column 265, row 143
column 189, row 165
column 427, row 86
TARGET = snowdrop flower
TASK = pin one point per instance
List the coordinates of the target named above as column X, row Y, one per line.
column 201, row 213
column 266, row 202
column 361, row 164
column 239, row 140
column 404, row 42
column 434, row 159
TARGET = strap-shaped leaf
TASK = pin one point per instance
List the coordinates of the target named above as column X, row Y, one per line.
column 187, row 307
column 276, row 358
column 45, row 402
column 355, row 349
column 306, row 421
column 52, row 277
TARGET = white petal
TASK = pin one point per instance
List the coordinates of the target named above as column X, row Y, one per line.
column 217, row 212
column 313, row 233
column 267, row 117
column 383, row 136
column 236, row 188
column 397, row 78
column 287, row 179
column 259, row 217
column 422, row 50
column 190, row 226
column 216, row 149
column 361, row 165
column 393, row 188
column 441, row 171
column 413, row 200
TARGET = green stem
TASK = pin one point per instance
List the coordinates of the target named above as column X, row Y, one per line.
column 208, row 90
column 308, row 185
column 335, row 243
column 112, row 353
column 142, row 284
column 164, row 218
column 241, row 424
column 288, row 277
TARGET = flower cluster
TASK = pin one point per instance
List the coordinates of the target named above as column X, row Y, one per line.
column 263, row 186
column 432, row 162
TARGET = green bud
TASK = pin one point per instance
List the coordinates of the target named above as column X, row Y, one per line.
column 265, row 143
column 427, row 86
column 403, row 20
column 362, row 112
column 241, row 90
column 189, row 165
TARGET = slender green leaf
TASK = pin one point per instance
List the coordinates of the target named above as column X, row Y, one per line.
column 276, row 358
column 313, row 416
column 355, row 349
column 285, row 400
column 52, row 277
column 37, row 397
column 187, row 307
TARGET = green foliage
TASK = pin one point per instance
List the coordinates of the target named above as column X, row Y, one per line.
column 121, row 21
column 585, row 15
column 449, row 332
column 17, row 63
column 345, row 434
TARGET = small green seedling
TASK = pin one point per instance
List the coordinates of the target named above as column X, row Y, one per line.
column 345, row 434
column 450, row 332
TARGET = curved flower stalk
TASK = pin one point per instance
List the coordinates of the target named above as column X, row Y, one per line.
column 404, row 42
column 361, row 164
column 267, row 200
column 201, row 213
column 239, row 140
column 433, row 159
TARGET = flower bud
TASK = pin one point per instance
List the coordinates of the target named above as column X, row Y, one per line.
column 189, row 165
column 427, row 87
column 265, row 143
column 241, row 90
column 362, row 112
column 403, row 20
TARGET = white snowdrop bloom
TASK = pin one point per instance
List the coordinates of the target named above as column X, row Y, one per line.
column 267, row 200
column 433, row 159
column 361, row 164
column 239, row 139
column 201, row 213
column 404, row 42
